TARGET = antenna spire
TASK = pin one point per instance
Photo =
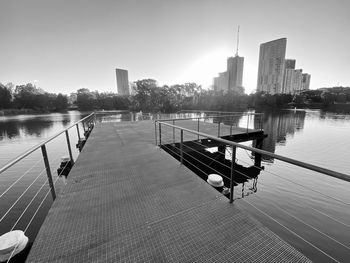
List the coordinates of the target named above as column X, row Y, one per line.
column 237, row 41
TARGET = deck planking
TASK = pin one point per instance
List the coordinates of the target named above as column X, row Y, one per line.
column 128, row 201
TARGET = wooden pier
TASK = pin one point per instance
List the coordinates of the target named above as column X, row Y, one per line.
column 128, row 201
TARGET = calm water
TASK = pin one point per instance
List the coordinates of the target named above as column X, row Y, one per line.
column 291, row 201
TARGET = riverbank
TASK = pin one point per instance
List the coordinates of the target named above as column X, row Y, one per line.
column 11, row 112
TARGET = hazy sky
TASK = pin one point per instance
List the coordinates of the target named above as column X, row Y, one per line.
column 65, row 45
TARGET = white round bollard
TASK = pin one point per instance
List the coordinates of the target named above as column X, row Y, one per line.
column 11, row 243
column 215, row 180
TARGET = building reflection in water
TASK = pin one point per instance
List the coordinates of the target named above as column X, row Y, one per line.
column 278, row 126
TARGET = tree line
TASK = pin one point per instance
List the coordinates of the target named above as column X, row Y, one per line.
column 148, row 96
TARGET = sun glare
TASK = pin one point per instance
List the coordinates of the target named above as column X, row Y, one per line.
column 205, row 68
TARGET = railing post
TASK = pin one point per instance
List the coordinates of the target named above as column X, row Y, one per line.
column 69, row 148
column 160, row 134
column 48, row 171
column 77, row 125
column 233, row 162
column 231, row 129
column 173, row 131
column 83, row 126
column 181, row 145
column 198, row 129
column 247, row 122
column 219, row 129
column 155, row 131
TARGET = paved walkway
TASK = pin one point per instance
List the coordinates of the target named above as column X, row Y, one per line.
column 128, row 201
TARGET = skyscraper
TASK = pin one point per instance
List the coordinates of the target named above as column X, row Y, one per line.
column 289, row 64
column 122, row 81
column 306, row 81
column 271, row 66
column 231, row 79
column 235, row 73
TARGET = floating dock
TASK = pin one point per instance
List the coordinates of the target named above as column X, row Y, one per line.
column 129, row 201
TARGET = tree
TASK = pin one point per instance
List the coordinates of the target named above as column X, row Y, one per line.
column 60, row 102
column 85, row 99
column 5, row 97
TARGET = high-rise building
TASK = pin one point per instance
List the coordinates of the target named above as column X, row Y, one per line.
column 292, row 83
column 271, row 66
column 221, row 82
column 235, row 73
column 306, row 81
column 289, row 64
column 231, row 79
column 122, row 81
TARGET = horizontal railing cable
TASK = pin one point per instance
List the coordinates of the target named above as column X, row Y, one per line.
column 303, row 186
column 202, row 162
column 314, row 228
column 335, row 219
column 321, row 170
column 195, row 165
column 203, row 153
column 34, row 148
column 21, row 195
column 31, row 220
column 35, row 197
column 278, row 207
column 31, row 201
column 291, row 231
column 26, row 172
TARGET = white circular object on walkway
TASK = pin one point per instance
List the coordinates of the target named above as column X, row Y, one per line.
column 12, row 241
column 215, row 180
column 65, row 159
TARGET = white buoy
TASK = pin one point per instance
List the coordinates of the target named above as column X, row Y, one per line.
column 215, row 180
column 11, row 243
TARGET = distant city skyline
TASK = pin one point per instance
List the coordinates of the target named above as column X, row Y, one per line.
column 62, row 46
column 276, row 74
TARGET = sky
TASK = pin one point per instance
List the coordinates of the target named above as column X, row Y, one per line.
column 65, row 45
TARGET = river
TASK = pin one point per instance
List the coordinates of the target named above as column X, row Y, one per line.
column 307, row 209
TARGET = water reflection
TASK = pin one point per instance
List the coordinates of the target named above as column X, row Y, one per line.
column 278, row 126
column 24, row 126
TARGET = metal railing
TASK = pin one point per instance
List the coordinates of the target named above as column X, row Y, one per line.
column 87, row 124
column 235, row 145
column 189, row 147
column 230, row 120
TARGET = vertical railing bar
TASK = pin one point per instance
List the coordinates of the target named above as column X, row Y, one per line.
column 155, row 132
column 247, row 121
column 173, row 131
column 160, row 134
column 198, row 129
column 181, row 145
column 219, row 128
column 77, row 125
column 48, row 171
column 69, row 148
column 233, row 161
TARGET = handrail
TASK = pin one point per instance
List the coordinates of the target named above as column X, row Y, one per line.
column 203, row 111
column 215, row 116
column 322, row 170
column 34, row 148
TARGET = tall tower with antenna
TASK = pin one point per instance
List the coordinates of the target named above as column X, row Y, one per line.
column 237, row 41
column 235, row 71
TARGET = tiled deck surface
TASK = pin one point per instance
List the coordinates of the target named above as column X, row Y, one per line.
column 128, row 201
